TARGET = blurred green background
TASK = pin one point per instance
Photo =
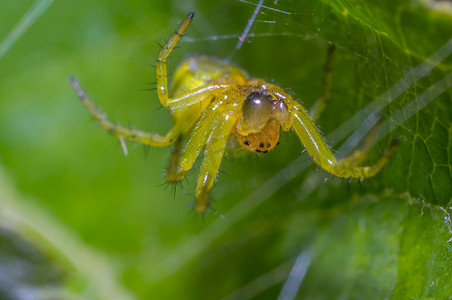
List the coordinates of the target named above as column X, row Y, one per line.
column 80, row 220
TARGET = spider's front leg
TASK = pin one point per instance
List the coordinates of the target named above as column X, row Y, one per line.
column 213, row 156
column 348, row 166
column 212, row 133
column 316, row 146
column 184, row 101
column 182, row 162
column 162, row 60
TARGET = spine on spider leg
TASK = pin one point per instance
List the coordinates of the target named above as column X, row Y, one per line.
column 161, row 73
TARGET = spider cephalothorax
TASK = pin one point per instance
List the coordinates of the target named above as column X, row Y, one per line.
column 211, row 101
column 262, row 116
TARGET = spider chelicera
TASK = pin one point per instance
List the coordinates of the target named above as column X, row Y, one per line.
column 212, row 101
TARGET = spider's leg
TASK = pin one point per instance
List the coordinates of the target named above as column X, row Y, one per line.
column 176, row 171
column 310, row 136
column 321, row 153
column 321, row 103
column 206, row 124
column 162, row 60
column 191, row 97
column 172, row 167
column 199, row 94
column 350, row 164
column 117, row 130
column 360, row 154
column 213, row 156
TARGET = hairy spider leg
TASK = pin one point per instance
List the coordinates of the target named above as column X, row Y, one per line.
column 316, row 146
column 352, row 161
column 186, row 158
column 319, row 106
column 181, row 126
column 162, row 60
column 184, row 115
column 199, row 94
column 213, row 155
column 359, row 155
column 212, row 133
column 118, row 130
column 174, row 159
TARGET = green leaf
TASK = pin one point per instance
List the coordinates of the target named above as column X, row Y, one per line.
column 283, row 228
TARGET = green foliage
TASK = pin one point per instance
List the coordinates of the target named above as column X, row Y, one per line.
column 104, row 221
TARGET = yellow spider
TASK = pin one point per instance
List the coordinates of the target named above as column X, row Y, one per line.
column 211, row 102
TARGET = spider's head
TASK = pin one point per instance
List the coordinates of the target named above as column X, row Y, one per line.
column 262, row 116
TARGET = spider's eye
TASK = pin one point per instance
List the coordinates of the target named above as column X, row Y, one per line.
column 257, row 101
column 257, row 111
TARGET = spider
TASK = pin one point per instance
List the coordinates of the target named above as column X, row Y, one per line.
column 211, row 102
